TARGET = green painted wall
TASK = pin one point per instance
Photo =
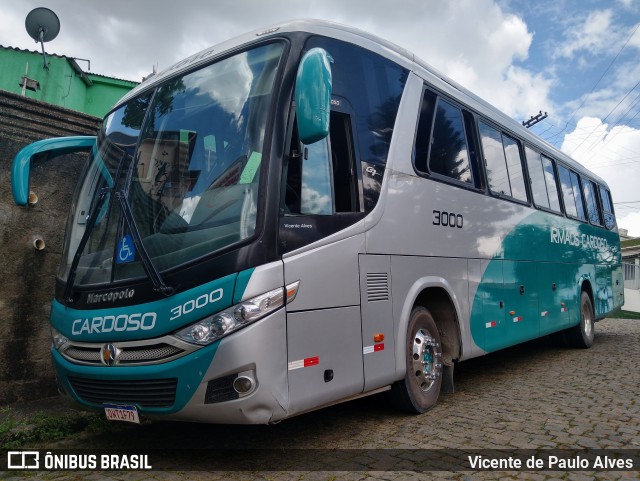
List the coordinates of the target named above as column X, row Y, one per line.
column 60, row 84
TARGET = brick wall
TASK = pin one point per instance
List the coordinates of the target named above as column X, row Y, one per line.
column 27, row 276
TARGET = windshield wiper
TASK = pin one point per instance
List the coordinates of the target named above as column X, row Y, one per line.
column 147, row 264
column 153, row 273
column 91, row 222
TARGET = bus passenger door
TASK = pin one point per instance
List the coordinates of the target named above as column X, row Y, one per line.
column 320, row 198
column 378, row 339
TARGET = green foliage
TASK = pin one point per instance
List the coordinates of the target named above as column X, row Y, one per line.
column 626, row 315
column 19, row 430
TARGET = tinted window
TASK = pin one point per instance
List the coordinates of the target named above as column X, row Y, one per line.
column 494, row 160
column 552, row 184
column 592, row 204
column 502, row 159
column 567, row 192
column 607, row 208
column 514, row 167
column 571, row 193
column 536, row 174
column 577, row 194
column 423, row 136
column 449, row 154
column 316, row 196
column 373, row 85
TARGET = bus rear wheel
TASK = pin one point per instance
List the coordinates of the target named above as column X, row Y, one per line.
column 582, row 335
column 419, row 390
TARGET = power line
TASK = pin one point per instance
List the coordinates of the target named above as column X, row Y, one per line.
column 607, row 116
column 596, row 84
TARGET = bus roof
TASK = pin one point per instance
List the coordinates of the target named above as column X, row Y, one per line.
column 382, row 47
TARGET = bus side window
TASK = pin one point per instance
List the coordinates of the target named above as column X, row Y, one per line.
column 503, row 162
column 536, row 176
column 309, row 184
column 607, row 208
column 423, row 135
column 577, row 193
column 552, row 184
column 590, row 198
column 571, row 193
column 345, row 174
column 449, row 152
column 321, row 178
column 543, row 180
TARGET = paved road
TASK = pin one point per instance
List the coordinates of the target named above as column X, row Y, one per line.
column 534, row 396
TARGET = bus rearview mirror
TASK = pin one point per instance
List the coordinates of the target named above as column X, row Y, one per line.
column 313, row 95
column 20, row 169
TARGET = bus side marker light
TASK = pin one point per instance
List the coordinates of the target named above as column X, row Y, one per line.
column 512, row 313
column 292, row 291
column 378, row 337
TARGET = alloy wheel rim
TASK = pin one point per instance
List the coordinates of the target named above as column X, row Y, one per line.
column 586, row 315
column 426, row 360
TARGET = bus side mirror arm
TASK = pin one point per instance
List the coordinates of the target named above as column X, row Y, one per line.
column 313, row 95
column 20, row 169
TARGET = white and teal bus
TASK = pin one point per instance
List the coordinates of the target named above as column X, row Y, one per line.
column 309, row 214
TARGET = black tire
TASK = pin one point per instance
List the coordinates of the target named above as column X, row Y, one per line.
column 419, row 390
column 582, row 335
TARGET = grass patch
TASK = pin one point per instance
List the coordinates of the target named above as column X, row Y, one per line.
column 626, row 315
column 17, row 431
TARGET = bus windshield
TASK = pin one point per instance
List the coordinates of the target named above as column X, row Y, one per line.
column 186, row 158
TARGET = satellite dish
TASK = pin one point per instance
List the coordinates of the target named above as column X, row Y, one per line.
column 42, row 25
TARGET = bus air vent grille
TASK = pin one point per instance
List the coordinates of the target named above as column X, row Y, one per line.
column 377, row 286
column 128, row 353
column 220, row 390
column 91, row 355
column 147, row 393
column 148, row 353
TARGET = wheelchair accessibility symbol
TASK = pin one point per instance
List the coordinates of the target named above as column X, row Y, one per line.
column 126, row 250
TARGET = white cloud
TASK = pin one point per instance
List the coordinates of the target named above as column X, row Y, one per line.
column 476, row 42
column 613, row 153
column 592, row 34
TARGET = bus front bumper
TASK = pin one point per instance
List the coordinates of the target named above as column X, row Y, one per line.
column 199, row 386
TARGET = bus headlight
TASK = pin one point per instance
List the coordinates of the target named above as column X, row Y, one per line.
column 59, row 340
column 214, row 327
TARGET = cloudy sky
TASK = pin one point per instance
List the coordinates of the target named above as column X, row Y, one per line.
column 578, row 60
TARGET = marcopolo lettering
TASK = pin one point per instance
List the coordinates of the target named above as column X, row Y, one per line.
column 121, row 323
column 112, row 296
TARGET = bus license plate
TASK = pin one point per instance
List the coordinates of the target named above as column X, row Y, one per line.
column 118, row 412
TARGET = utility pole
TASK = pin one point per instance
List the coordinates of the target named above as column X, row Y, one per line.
column 534, row 119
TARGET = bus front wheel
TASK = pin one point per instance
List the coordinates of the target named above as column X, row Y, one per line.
column 419, row 390
column 581, row 336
